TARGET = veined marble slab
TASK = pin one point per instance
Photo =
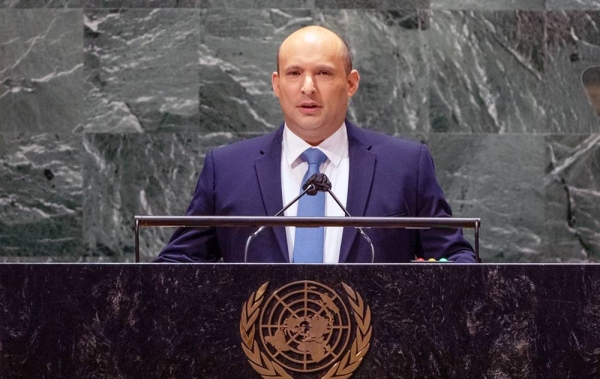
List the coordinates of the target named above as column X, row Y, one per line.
column 487, row 72
column 514, row 135
column 183, row 321
column 141, row 70
column 41, row 68
column 509, row 72
column 40, row 3
column 573, row 45
column 260, row 4
column 238, row 56
column 41, row 196
column 573, row 4
column 572, row 186
column 139, row 174
column 488, row 5
column 498, row 178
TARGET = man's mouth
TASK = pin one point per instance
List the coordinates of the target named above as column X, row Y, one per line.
column 309, row 105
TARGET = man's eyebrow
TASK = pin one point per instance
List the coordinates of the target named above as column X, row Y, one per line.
column 318, row 68
column 325, row 67
column 292, row 67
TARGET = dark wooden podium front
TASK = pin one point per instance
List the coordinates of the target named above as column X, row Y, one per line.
column 183, row 320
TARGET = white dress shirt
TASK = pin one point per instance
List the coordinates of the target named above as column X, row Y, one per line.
column 337, row 169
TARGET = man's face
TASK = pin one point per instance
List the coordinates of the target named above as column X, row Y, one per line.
column 312, row 84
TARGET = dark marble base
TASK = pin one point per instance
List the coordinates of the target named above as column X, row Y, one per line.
column 182, row 321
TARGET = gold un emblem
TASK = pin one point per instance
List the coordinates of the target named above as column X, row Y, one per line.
column 305, row 327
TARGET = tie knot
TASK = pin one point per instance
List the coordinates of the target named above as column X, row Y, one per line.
column 314, row 156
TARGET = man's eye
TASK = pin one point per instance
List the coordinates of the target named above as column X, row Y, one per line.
column 325, row 73
column 293, row 73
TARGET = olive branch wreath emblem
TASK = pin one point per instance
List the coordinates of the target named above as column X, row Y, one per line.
column 268, row 369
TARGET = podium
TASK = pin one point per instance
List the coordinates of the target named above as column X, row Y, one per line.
column 185, row 320
column 270, row 221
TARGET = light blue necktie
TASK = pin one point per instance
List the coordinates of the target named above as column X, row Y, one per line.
column 308, row 244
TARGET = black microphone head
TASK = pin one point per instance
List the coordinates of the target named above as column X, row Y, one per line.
column 319, row 182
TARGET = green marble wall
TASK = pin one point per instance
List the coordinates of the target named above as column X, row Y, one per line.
column 107, row 108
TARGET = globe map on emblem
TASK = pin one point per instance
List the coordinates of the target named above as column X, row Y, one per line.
column 305, row 326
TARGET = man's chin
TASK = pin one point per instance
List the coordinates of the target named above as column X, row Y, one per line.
column 313, row 133
column 309, row 128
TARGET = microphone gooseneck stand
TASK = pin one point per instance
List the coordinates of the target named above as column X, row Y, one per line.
column 314, row 184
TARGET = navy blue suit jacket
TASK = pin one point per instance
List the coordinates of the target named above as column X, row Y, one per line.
column 388, row 177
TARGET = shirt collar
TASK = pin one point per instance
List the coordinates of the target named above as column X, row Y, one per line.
column 334, row 146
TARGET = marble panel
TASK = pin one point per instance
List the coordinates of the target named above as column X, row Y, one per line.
column 260, row 4
column 573, row 4
column 183, row 321
column 141, row 70
column 41, row 69
column 114, row 4
column 489, row 5
column 373, row 4
column 573, row 45
column 41, row 195
column 255, row 4
column 139, row 174
column 498, row 178
column 40, row 3
column 487, row 72
column 391, row 55
column 572, row 185
column 238, row 56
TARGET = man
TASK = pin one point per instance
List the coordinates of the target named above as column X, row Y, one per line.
column 373, row 174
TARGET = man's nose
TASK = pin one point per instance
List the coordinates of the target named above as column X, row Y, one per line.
column 308, row 86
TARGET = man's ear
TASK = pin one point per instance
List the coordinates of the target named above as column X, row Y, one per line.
column 275, row 82
column 353, row 81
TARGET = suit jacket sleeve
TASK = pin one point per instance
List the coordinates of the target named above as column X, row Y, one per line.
column 196, row 244
column 440, row 242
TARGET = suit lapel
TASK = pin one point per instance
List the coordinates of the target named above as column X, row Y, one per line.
column 362, row 169
column 268, row 173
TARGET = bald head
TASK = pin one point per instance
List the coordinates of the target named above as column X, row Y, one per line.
column 314, row 81
column 323, row 37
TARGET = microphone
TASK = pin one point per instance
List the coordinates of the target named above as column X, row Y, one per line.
column 310, row 188
column 321, row 181
column 317, row 182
